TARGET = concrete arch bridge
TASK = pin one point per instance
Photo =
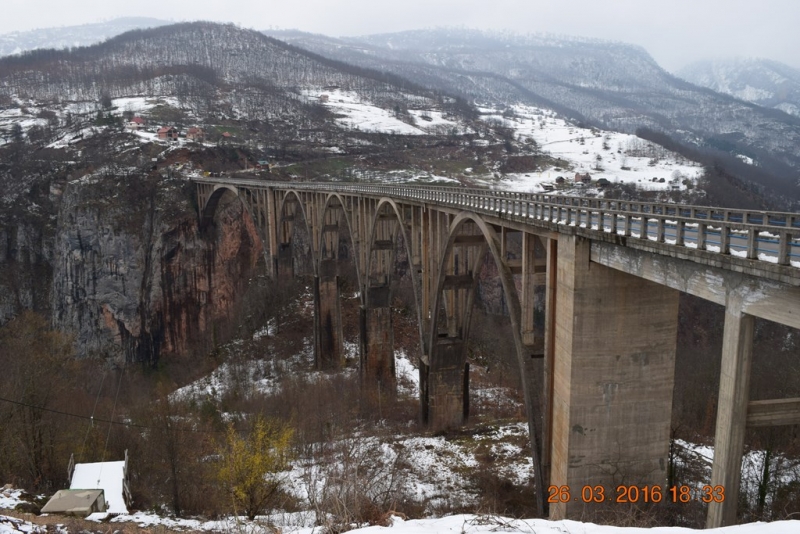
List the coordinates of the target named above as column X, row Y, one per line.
column 591, row 287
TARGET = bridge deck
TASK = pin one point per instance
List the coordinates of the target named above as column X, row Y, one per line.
column 758, row 243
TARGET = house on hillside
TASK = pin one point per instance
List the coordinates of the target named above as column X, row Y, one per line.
column 323, row 99
column 136, row 123
column 583, row 178
column 225, row 138
column 168, row 133
column 195, row 134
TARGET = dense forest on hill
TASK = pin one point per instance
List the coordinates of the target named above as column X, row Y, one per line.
column 200, row 63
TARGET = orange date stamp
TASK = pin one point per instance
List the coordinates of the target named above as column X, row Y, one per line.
column 627, row 494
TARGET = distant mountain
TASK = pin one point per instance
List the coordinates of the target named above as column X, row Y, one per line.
column 72, row 36
column 613, row 85
column 761, row 81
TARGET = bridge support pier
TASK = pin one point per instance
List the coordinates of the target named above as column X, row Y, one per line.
column 613, row 377
column 329, row 350
column 445, row 386
column 284, row 263
column 377, row 339
column 734, row 388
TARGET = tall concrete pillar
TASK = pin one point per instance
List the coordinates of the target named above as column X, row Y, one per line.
column 328, row 318
column 284, row 263
column 613, row 377
column 734, row 392
column 377, row 365
column 447, row 386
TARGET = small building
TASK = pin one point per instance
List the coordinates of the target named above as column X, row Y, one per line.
column 94, row 487
column 603, row 182
column 80, row 502
column 583, row 178
column 168, row 133
column 323, row 99
column 195, row 134
column 225, row 138
column 111, row 477
column 560, row 180
column 135, row 123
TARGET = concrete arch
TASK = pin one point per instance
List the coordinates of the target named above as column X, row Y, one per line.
column 285, row 240
column 377, row 341
column 348, row 223
column 514, row 308
column 210, row 209
column 415, row 281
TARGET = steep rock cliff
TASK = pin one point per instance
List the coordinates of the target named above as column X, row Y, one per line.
column 134, row 276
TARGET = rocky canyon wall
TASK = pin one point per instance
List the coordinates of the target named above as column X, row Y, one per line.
column 132, row 274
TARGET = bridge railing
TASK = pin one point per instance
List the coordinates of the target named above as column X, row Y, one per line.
column 772, row 237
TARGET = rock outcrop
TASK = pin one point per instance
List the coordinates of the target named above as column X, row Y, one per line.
column 134, row 276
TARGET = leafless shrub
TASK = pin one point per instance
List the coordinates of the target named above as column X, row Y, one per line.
column 354, row 482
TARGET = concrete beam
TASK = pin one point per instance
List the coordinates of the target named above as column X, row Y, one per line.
column 477, row 240
column 383, row 244
column 766, row 299
column 773, row 412
column 734, row 386
column 458, row 281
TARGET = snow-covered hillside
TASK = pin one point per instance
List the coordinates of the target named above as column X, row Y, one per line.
column 611, row 84
column 617, row 157
column 572, row 150
column 355, row 112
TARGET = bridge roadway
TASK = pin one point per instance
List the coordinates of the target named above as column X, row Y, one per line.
column 591, row 286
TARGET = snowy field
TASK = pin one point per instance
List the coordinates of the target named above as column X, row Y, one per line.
column 356, row 113
column 455, row 524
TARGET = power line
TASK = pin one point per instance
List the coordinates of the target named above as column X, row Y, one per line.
column 109, row 421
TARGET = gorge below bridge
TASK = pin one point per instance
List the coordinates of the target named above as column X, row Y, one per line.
column 591, row 289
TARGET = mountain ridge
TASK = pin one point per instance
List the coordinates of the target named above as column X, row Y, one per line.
column 72, row 36
column 612, row 85
column 761, row 81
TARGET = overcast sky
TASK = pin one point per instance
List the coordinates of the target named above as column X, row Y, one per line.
column 675, row 32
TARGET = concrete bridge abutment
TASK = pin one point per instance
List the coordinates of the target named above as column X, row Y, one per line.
column 613, row 377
